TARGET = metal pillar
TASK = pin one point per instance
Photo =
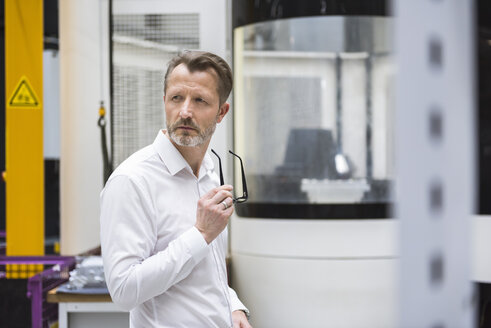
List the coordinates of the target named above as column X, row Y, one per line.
column 24, row 127
column 435, row 161
column 83, row 36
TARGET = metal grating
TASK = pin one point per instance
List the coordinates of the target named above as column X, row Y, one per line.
column 180, row 30
column 143, row 44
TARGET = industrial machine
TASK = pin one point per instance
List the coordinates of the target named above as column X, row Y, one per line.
column 313, row 107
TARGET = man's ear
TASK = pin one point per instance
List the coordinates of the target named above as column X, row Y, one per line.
column 222, row 111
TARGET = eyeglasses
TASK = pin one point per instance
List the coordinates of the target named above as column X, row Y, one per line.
column 243, row 198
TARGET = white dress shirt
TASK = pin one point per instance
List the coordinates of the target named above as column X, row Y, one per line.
column 156, row 263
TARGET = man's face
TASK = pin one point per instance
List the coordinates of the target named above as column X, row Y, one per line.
column 192, row 106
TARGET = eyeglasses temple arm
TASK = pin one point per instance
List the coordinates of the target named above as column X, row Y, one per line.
column 244, row 184
column 220, row 167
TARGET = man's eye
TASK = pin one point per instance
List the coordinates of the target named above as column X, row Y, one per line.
column 200, row 100
column 176, row 98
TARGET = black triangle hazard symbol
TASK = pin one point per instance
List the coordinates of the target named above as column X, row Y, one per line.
column 23, row 95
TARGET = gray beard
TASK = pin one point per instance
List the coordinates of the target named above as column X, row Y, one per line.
column 190, row 141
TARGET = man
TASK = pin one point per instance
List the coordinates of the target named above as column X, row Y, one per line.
column 163, row 213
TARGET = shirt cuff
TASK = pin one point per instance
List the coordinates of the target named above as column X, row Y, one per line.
column 197, row 245
column 235, row 303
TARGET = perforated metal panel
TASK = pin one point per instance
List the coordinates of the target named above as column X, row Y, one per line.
column 181, row 30
column 143, row 44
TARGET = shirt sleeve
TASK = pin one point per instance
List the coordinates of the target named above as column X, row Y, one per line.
column 128, row 235
column 235, row 303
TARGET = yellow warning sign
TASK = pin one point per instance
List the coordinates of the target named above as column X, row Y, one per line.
column 24, row 95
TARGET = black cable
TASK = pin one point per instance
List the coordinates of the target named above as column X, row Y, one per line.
column 106, row 162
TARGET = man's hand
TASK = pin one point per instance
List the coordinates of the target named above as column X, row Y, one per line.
column 240, row 320
column 212, row 215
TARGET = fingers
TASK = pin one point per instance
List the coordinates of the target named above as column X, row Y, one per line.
column 218, row 195
column 240, row 320
column 213, row 191
column 213, row 212
column 229, row 210
column 227, row 203
column 221, row 196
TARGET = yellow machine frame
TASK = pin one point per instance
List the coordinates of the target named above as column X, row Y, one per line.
column 24, row 127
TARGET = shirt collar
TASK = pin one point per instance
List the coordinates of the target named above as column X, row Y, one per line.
column 173, row 159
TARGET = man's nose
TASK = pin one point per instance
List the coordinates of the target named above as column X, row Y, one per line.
column 186, row 110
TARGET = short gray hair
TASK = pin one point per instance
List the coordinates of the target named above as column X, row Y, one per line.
column 201, row 61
